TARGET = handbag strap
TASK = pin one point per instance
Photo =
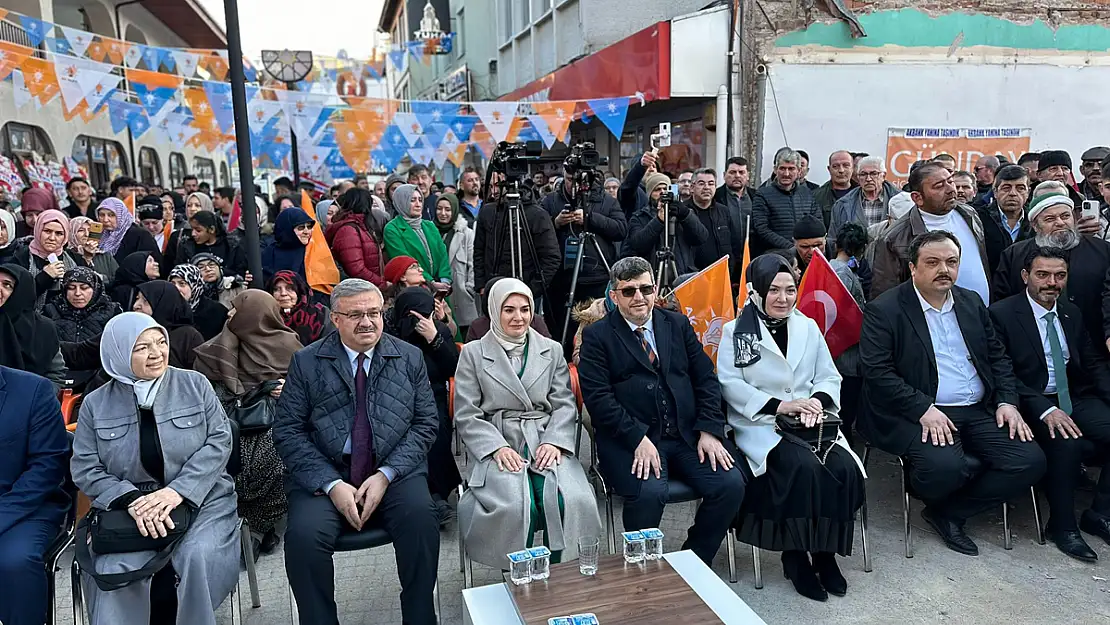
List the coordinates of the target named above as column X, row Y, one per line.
column 115, row 581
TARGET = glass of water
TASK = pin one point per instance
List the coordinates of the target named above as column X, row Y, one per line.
column 520, row 567
column 589, row 551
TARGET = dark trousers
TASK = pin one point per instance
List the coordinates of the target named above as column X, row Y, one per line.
column 406, row 512
column 851, row 396
column 443, row 473
column 721, row 493
column 940, row 476
column 23, row 591
column 1065, row 455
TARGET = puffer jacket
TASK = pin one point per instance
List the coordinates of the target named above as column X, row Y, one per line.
column 82, row 324
column 606, row 221
column 355, row 249
column 774, row 213
column 317, row 408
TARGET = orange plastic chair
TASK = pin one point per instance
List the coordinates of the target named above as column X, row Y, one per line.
column 574, row 385
column 451, row 398
column 69, row 401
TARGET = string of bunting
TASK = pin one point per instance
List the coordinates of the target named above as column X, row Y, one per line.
column 336, row 135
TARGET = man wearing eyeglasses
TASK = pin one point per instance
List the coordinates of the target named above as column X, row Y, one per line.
column 655, row 405
column 354, row 424
column 867, row 205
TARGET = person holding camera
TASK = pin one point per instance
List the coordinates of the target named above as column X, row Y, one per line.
column 493, row 251
column 603, row 218
column 646, row 228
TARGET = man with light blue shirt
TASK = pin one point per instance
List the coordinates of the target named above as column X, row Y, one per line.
column 354, row 424
column 941, row 389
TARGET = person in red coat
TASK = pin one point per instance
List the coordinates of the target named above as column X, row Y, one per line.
column 355, row 247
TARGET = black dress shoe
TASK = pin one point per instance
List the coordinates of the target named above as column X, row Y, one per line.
column 270, row 542
column 951, row 532
column 1096, row 525
column 1072, row 544
column 829, row 574
column 796, row 567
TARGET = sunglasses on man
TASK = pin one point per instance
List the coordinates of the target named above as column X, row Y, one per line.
column 630, row 291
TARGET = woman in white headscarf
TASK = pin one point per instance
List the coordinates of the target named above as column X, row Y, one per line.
column 516, row 414
column 150, row 440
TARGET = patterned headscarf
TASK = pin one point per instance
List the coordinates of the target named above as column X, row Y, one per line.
column 75, row 224
column 110, row 242
column 83, row 275
column 191, row 275
column 211, row 289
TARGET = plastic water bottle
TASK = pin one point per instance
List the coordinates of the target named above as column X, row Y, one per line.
column 653, row 543
column 633, row 546
column 541, row 563
column 520, row 567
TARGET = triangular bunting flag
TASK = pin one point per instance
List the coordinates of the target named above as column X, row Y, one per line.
column 416, row 49
column 386, row 157
column 79, row 40
column 434, row 112
column 38, row 75
column 439, row 156
column 12, row 57
column 260, row 111
column 219, row 97
column 434, row 133
column 462, row 126
column 186, row 62
column 301, row 110
column 397, row 57
column 155, row 90
column 96, row 51
column 497, row 117
column 408, row 125
column 116, row 50
column 19, row 92
column 612, row 112
column 134, row 55
column 102, row 91
column 36, row 29
column 421, row 155
column 77, row 78
column 541, row 128
column 557, row 115
column 153, row 57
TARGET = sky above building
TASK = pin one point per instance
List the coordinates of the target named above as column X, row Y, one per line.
column 322, row 26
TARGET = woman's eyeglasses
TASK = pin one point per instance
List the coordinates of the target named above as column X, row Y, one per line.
column 630, row 291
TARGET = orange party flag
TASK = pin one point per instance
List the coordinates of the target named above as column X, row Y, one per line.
column 116, row 50
column 742, row 297
column 12, row 56
column 558, row 116
column 706, row 300
column 129, row 202
column 41, row 81
column 319, row 266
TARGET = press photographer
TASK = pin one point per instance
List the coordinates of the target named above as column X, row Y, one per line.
column 514, row 236
column 579, row 206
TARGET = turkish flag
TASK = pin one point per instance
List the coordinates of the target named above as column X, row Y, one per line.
column 824, row 298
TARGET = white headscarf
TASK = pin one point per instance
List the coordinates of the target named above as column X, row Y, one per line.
column 9, row 223
column 501, row 291
column 116, row 343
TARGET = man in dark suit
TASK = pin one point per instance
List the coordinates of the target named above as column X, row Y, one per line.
column 1065, row 393
column 33, row 463
column 354, row 424
column 1053, row 217
column 938, row 383
column 655, row 404
column 1004, row 221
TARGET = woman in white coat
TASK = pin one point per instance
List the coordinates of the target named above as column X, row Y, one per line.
column 516, row 415
column 773, row 360
column 458, row 236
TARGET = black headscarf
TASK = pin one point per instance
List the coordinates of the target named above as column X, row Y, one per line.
column 760, row 274
column 413, row 299
column 168, row 308
column 28, row 341
column 178, row 202
column 132, row 271
column 83, row 275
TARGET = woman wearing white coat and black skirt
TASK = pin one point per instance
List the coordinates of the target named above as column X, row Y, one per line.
column 773, row 360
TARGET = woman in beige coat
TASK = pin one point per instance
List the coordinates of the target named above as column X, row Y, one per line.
column 516, row 414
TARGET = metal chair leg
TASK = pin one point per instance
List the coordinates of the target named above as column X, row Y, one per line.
column 730, row 543
column 439, row 608
column 462, row 549
column 758, row 568
column 248, row 562
column 1007, row 539
column 863, row 535
column 906, row 510
column 294, row 615
column 866, row 454
column 468, row 574
column 236, row 605
column 1037, row 515
column 612, row 523
column 76, row 594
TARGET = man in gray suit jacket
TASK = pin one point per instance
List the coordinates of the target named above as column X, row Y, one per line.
column 354, row 425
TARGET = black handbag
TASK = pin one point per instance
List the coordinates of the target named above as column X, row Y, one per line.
column 254, row 412
column 114, row 531
column 819, row 438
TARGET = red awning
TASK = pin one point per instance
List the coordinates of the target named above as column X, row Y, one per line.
column 639, row 63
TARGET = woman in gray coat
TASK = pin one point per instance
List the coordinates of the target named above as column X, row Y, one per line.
column 516, row 415
column 152, row 439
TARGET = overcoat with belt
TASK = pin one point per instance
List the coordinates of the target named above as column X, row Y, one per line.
column 495, row 408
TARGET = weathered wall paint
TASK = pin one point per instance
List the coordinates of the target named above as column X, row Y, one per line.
column 915, row 29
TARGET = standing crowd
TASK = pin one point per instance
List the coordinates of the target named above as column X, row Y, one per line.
column 313, row 409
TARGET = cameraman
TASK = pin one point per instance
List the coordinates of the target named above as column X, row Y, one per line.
column 604, row 219
column 645, row 232
column 631, row 193
column 492, row 249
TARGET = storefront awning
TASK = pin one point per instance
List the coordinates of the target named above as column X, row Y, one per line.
column 639, row 64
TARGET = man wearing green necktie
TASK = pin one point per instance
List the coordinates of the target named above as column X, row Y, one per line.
column 1065, row 394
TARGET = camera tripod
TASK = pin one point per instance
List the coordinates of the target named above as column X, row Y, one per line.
column 666, row 272
column 520, row 239
column 582, row 200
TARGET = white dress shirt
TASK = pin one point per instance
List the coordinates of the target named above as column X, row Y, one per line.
column 972, row 274
column 958, row 383
column 352, row 357
column 649, row 333
column 1039, row 313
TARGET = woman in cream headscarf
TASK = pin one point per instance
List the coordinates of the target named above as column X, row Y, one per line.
column 516, row 415
column 150, row 440
column 408, row 234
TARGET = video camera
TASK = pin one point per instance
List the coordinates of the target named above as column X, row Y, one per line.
column 582, row 156
column 513, row 159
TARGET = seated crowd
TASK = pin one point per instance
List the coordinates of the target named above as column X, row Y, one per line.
column 985, row 377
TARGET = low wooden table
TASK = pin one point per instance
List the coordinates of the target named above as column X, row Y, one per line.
column 679, row 588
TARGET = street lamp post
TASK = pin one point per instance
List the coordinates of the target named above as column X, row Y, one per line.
column 247, row 204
